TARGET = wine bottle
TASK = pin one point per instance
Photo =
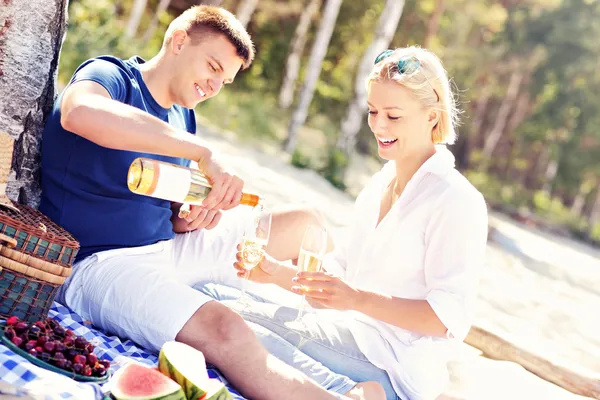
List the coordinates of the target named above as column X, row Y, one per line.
column 173, row 182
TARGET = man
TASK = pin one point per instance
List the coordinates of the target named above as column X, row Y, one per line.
column 135, row 269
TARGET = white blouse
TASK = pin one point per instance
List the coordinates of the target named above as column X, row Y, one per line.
column 430, row 246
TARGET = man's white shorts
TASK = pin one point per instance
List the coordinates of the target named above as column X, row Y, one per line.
column 144, row 293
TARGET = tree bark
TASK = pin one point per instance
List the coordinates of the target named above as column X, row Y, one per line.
column 388, row 23
column 495, row 134
column 137, row 12
column 31, row 35
column 292, row 65
column 318, row 53
column 245, row 10
column 161, row 8
column 433, row 24
column 594, row 215
column 495, row 347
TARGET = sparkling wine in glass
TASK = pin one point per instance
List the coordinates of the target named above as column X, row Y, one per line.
column 312, row 250
column 254, row 245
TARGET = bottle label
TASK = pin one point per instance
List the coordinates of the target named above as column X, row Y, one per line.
column 172, row 183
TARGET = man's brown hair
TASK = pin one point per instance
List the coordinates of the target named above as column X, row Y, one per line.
column 200, row 21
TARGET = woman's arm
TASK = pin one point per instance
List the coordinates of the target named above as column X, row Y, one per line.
column 333, row 292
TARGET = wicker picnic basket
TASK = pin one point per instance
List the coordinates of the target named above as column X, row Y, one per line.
column 36, row 255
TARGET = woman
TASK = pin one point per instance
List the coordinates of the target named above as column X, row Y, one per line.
column 408, row 274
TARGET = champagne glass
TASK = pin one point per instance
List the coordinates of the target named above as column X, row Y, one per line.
column 254, row 245
column 312, row 251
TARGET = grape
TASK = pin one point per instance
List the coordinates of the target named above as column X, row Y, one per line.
column 92, row 359
column 35, row 329
column 59, row 346
column 30, row 345
column 59, row 331
column 20, row 327
column 77, row 368
column 71, row 353
column 80, row 342
column 49, row 347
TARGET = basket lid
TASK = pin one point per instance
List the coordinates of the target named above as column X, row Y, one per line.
column 6, row 153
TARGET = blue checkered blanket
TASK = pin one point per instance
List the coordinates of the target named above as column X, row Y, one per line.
column 17, row 371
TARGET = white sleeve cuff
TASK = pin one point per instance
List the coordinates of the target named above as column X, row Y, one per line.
column 450, row 309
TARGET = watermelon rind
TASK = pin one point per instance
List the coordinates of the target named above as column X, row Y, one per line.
column 171, row 390
column 187, row 366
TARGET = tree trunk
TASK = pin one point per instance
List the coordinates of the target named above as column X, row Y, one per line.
column 594, row 216
column 521, row 110
column 497, row 348
column 245, row 10
column 31, row 34
column 433, row 24
column 549, row 176
column 579, row 201
column 162, row 7
column 388, row 22
column 137, row 12
column 292, row 66
column 502, row 117
column 317, row 55
column 480, row 112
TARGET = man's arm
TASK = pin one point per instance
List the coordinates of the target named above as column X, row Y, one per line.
column 88, row 111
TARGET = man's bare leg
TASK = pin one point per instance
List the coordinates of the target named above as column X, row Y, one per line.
column 367, row 391
column 287, row 230
column 229, row 344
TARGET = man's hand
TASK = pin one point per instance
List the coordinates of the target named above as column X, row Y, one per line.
column 262, row 273
column 198, row 218
column 226, row 189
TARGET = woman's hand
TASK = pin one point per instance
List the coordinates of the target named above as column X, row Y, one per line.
column 262, row 273
column 325, row 290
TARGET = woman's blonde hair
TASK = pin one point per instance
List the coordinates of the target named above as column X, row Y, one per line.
column 429, row 83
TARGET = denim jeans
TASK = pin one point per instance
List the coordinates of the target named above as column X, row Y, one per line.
column 323, row 348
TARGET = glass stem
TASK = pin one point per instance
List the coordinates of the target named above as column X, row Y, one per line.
column 301, row 308
column 246, row 276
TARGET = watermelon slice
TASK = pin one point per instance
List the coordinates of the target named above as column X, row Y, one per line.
column 138, row 382
column 186, row 366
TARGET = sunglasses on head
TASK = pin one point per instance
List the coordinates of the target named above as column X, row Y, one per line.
column 407, row 65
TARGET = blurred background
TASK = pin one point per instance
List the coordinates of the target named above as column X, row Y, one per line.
column 525, row 74
column 524, row 71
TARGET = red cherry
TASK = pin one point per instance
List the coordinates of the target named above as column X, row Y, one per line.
column 79, row 359
column 92, row 359
column 17, row 341
column 12, row 320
